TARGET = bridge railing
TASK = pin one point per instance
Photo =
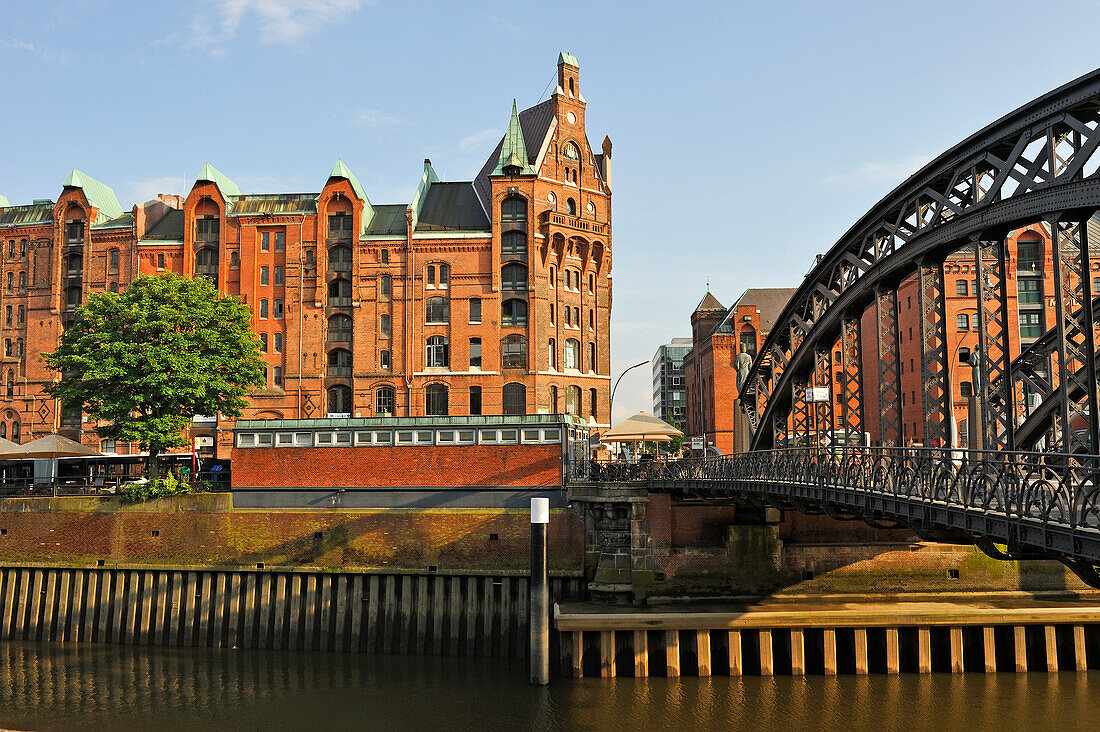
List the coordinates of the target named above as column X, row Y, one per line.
column 1047, row 487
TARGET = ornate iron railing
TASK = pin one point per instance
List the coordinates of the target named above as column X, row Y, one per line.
column 1033, row 502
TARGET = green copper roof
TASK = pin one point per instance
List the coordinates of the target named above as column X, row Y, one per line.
column 568, row 58
column 4, row 202
column 514, row 150
column 225, row 186
column 98, row 194
column 342, row 171
column 426, row 179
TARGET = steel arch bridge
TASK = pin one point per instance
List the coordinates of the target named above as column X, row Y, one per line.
column 1035, row 488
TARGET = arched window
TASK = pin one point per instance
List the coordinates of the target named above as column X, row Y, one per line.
column 515, row 399
column 234, row 259
column 22, row 248
column 309, row 258
column 15, row 432
column 339, row 363
column 339, row 259
column 553, row 351
column 436, row 355
column 513, row 277
column 384, row 286
column 206, row 263
column 513, row 352
column 74, row 265
column 963, row 322
column 22, row 315
column 384, row 400
column 11, row 249
column 339, row 328
column 435, row 399
column 113, row 265
column 553, row 282
column 11, row 383
column 591, row 283
column 384, row 323
column 572, row 400
column 591, row 356
column 11, row 281
column 514, row 244
column 570, row 151
column 385, row 256
column 4, row 430
column 339, row 400
column 513, row 208
column 553, row 399
column 572, row 354
column 7, row 347
column 436, row 310
column 592, row 403
column 513, row 312
column 22, row 281
column 571, row 207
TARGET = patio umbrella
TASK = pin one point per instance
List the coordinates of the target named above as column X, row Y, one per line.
column 50, row 447
column 642, row 427
column 7, row 447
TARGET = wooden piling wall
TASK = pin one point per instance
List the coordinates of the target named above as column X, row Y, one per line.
column 441, row 614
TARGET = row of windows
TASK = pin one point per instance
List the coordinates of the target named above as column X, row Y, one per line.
column 277, row 310
column 573, row 280
column 22, row 281
column 388, row 438
column 15, row 350
column 436, row 400
column 573, row 317
column 265, row 276
column 22, row 315
column 22, row 249
column 572, row 353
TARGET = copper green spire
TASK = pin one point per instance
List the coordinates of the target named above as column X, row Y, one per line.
column 513, row 153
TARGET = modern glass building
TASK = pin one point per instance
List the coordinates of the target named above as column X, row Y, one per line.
column 669, row 396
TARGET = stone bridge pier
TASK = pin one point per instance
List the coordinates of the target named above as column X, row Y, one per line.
column 618, row 545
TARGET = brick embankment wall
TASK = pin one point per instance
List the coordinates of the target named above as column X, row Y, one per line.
column 204, row 531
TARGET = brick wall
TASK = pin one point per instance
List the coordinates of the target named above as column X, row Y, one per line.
column 426, row 465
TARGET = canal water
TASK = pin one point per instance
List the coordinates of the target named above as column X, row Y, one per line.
column 86, row 687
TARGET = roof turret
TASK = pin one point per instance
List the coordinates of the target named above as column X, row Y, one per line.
column 513, row 154
column 98, row 194
column 225, row 186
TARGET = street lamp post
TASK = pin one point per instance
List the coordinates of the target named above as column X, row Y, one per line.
column 616, row 386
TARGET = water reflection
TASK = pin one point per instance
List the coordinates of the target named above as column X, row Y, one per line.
column 44, row 686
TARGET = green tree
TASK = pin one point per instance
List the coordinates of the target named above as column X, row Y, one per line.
column 144, row 361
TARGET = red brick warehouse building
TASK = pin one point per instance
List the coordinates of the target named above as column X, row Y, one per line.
column 490, row 296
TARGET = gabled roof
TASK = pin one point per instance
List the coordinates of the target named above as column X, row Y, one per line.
column 98, row 194
column 452, row 207
column 426, row 179
column 213, row 175
column 169, row 228
column 388, row 220
column 342, row 171
column 568, row 58
column 709, row 302
column 770, row 301
column 125, row 221
column 535, row 125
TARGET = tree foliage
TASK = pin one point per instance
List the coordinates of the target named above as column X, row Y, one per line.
column 144, row 361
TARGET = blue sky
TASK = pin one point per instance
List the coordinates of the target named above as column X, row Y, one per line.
column 748, row 136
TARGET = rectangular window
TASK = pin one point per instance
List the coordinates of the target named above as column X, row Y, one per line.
column 278, row 276
column 960, row 287
column 1028, row 291
column 475, row 353
column 1031, row 325
column 966, row 389
column 160, row 261
column 278, row 376
column 475, row 310
column 278, row 343
column 280, row 241
column 475, row 402
column 384, row 323
column 961, row 321
column 1027, row 257
column 265, row 241
column 263, row 308
column 384, row 360
column 264, row 276
column 263, row 342
column 278, row 308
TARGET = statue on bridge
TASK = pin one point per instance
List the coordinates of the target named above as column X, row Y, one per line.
column 742, row 363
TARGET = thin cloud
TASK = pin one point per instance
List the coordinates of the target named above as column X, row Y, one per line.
column 505, row 25
column 278, row 21
column 479, row 140
column 374, row 118
column 17, row 44
column 146, row 190
column 890, row 172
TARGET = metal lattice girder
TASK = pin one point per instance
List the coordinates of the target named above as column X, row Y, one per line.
column 800, row 412
column 995, row 391
column 1039, row 159
column 851, row 370
column 1076, row 419
column 889, row 367
column 935, row 386
column 823, row 411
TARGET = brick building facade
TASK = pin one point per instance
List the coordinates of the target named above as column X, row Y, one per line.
column 717, row 335
column 490, row 296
